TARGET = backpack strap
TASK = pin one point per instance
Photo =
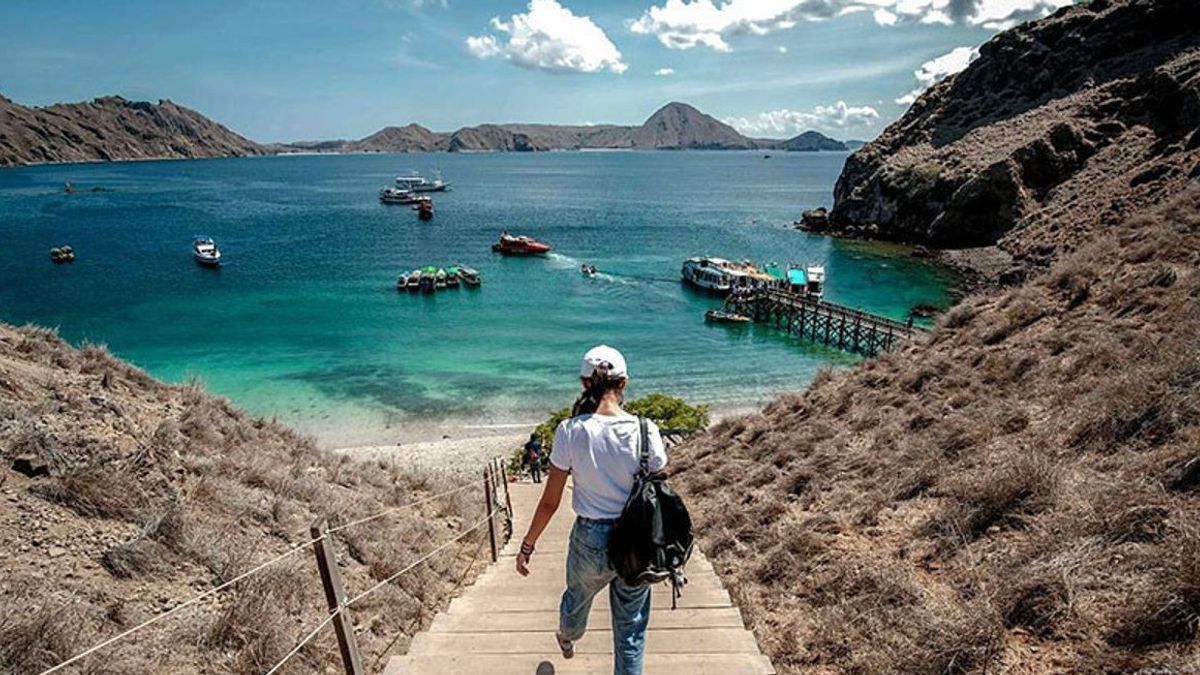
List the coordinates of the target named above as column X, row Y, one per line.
column 643, row 446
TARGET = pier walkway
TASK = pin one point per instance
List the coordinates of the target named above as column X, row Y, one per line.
column 825, row 323
column 504, row 624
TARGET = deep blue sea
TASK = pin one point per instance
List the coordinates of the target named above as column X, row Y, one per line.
column 303, row 320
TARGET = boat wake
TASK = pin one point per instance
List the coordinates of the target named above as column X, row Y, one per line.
column 563, row 262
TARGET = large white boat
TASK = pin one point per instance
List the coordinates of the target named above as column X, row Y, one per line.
column 205, row 251
column 720, row 276
column 418, row 183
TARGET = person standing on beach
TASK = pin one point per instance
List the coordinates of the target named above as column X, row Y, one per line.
column 533, row 457
column 598, row 446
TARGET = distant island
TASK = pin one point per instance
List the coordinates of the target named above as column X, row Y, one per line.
column 113, row 128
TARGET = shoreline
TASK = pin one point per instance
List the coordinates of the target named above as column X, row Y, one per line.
column 464, row 451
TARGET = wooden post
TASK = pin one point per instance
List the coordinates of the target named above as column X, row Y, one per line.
column 335, row 598
column 508, row 514
column 487, row 498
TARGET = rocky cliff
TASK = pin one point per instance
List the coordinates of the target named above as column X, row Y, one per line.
column 112, row 128
column 1087, row 115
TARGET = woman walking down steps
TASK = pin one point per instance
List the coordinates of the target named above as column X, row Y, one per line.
column 598, row 445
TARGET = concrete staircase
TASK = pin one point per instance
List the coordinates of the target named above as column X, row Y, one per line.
column 504, row 624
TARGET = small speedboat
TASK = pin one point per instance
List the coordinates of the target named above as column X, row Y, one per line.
column 425, row 209
column 62, row 254
column 469, row 276
column 427, row 282
column 510, row 245
column 721, row 316
column 205, row 251
column 452, row 278
column 439, row 279
column 409, row 282
column 587, row 270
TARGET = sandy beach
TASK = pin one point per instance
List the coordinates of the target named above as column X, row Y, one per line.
column 449, row 457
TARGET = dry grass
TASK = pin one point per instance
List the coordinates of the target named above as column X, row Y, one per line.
column 1019, row 494
column 157, row 493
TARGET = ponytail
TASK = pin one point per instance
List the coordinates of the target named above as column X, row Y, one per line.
column 595, row 387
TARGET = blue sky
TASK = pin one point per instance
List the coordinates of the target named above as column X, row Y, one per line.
column 276, row 71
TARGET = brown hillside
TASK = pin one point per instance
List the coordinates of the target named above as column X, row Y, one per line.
column 1051, row 121
column 112, row 128
column 120, row 497
column 1019, row 492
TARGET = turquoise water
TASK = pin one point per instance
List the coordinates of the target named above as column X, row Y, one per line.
column 303, row 321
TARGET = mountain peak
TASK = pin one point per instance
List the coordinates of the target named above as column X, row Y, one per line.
column 678, row 126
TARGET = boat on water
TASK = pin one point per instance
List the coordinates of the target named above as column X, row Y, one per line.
column 519, row 245
column 427, row 281
column 452, row 277
column 439, row 279
column 587, row 270
column 62, row 254
column 720, row 276
column 424, row 209
column 808, row 280
column 410, row 281
column 398, row 196
column 469, row 276
column 415, row 182
column 205, row 251
column 721, row 316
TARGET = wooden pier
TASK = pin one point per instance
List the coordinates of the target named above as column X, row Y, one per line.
column 824, row 323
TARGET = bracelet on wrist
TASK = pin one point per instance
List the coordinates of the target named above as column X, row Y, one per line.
column 526, row 548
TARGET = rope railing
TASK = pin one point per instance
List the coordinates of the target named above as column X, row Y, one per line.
column 390, row 578
column 159, row 617
column 262, row 566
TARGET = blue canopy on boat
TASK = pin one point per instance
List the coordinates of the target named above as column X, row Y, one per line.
column 797, row 277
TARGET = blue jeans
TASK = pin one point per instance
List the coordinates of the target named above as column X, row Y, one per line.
column 588, row 572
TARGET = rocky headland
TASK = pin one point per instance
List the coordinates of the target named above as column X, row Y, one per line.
column 1087, row 116
column 1019, row 491
column 112, row 128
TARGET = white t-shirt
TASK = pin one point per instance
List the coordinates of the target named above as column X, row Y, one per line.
column 601, row 452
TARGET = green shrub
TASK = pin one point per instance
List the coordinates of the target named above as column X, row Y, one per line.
column 668, row 412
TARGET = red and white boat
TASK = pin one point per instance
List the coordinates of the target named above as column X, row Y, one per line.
column 510, row 245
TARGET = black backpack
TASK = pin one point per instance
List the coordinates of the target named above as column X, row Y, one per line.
column 652, row 540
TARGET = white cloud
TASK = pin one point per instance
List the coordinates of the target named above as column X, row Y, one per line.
column 835, row 117
column 783, row 50
column 935, row 70
column 664, row 72
column 549, row 37
column 684, row 24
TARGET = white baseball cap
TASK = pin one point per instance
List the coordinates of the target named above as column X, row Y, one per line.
column 605, row 357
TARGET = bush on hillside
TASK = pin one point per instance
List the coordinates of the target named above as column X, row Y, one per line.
column 668, row 412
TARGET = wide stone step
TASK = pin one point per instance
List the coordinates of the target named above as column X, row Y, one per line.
column 582, row 664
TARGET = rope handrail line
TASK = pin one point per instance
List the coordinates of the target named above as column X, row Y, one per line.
column 393, row 509
column 328, row 619
column 421, row 560
column 283, row 556
column 300, row 645
column 158, row 617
